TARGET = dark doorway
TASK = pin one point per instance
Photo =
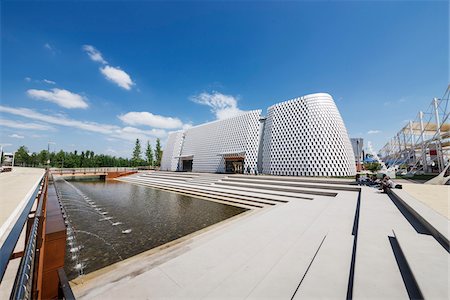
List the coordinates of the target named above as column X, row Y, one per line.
column 234, row 165
column 187, row 165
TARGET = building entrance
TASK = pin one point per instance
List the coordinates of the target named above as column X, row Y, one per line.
column 234, row 165
column 187, row 165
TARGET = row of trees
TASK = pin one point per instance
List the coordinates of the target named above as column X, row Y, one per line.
column 87, row 159
column 152, row 157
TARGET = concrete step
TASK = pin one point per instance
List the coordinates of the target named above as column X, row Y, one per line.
column 304, row 270
column 164, row 176
column 428, row 262
column 327, row 278
column 254, row 195
column 297, row 179
column 196, row 193
column 240, row 271
column 213, row 192
column 437, row 224
column 292, row 184
column 275, row 187
column 374, row 251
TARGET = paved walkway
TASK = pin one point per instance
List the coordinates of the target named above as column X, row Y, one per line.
column 436, row 197
column 15, row 189
column 326, row 247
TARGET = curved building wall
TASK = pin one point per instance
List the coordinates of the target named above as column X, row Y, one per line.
column 306, row 136
column 172, row 151
column 210, row 143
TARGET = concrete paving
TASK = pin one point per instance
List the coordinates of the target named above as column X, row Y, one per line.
column 437, row 197
column 16, row 188
column 325, row 247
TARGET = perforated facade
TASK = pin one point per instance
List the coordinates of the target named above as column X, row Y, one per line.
column 305, row 136
column 208, row 145
column 172, row 151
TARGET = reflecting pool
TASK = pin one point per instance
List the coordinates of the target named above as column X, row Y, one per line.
column 109, row 221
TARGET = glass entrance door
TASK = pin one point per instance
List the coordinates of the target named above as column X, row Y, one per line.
column 187, row 165
column 235, row 166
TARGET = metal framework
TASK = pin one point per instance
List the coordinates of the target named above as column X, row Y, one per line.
column 423, row 144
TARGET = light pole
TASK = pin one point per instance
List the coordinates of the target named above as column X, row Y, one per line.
column 48, row 152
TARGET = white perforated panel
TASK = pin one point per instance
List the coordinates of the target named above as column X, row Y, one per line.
column 306, row 137
column 171, row 152
column 302, row 137
column 235, row 135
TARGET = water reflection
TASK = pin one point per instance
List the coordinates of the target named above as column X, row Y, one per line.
column 110, row 220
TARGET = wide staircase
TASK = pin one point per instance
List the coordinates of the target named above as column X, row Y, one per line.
column 245, row 191
column 374, row 247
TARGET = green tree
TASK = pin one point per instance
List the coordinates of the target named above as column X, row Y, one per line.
column 21, row 157
column 158, row 153
column 149, row 154
column 136, row 159
column 42, row 158
column 373, row 166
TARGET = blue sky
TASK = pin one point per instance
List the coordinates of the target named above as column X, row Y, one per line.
column 96, row 75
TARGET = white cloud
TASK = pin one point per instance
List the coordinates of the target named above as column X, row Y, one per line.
column 112, row 131
column 118, row 76
column 49, row 81
column 149, row 119
column 50, row 48
column 373, row 131
column 94, row 54
column 29, row 79
column 63, row 98
column 16, row 136
column 223, row 106
column 22, row 125
column 114, row 74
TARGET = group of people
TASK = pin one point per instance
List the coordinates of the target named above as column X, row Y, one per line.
column 383, row 184
column 249, row 171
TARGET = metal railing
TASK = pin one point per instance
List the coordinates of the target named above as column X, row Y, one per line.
column 64, row 290
column 61, row 171
column 7, row 249
column 30, row 270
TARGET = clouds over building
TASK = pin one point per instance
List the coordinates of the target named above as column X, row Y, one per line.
column 223, row 106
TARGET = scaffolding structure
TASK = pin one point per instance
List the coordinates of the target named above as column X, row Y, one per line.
column 423, row 144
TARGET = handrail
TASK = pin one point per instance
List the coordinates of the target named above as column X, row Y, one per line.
column 65, row 292
column 10, row 243
column 86, row 170
column 23, row 285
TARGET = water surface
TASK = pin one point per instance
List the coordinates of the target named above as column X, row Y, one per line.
column 112, row 220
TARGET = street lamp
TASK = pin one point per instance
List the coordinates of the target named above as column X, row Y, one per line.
column 48, row 152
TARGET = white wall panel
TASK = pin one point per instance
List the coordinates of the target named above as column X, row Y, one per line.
column 306, row 136
column 171, row 152
column 234, row 135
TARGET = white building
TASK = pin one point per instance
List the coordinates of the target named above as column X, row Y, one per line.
column 304, row 136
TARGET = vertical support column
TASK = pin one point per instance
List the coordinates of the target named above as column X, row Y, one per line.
column 405, row 148
column 438, row 132
column 413, row 144
column 423, row 147
column 399, row 145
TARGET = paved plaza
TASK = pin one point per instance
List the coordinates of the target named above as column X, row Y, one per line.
column 301, row 238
